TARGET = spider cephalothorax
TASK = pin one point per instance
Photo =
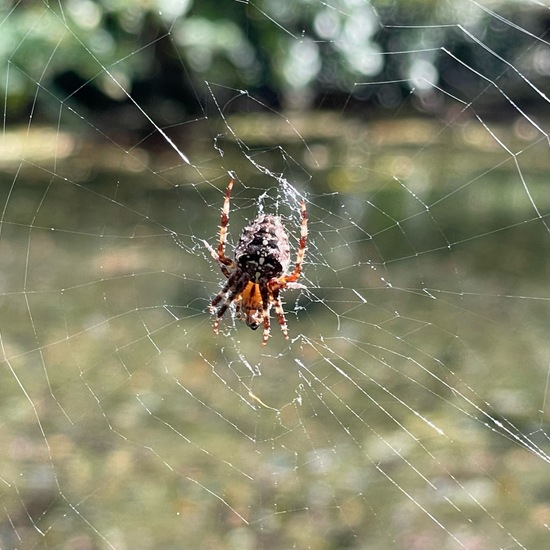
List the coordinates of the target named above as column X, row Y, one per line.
column 257, row 273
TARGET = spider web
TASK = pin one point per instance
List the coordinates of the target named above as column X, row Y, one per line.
column 409, row 409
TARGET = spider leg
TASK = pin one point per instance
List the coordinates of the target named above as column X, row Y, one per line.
column 222, row 259
column 280, row 313
column 266, row 307
column 221, row 294
column 227, row 265
column 226, row 269
column 294, row 276
column 238, row 287
column 228, row 301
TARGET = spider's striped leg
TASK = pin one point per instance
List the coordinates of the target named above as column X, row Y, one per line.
column 266, row 307
column 238, row 287
column 216, row 325
column 294, row 276
column 219, row 296
column 280, row 313
column 266, row 325
column 213, row 311
column 222, row 259
column 226, row 267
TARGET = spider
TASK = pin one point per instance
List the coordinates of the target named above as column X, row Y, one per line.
column 258, row 272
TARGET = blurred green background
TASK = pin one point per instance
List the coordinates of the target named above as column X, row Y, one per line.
column 93, row 55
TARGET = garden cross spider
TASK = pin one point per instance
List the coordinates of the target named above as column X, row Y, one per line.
column 257, row 273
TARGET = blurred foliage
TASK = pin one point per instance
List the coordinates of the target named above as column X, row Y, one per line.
column 98, row 56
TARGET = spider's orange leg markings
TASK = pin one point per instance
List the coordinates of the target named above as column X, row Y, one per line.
column 295, row 275
column 265, row 313
column 216, row 324
column 223, row 225
column 274, row 286
column 266, row 306
column 237, row 286
column 281, row 316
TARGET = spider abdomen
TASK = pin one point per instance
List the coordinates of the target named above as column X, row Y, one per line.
column 263, row 251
